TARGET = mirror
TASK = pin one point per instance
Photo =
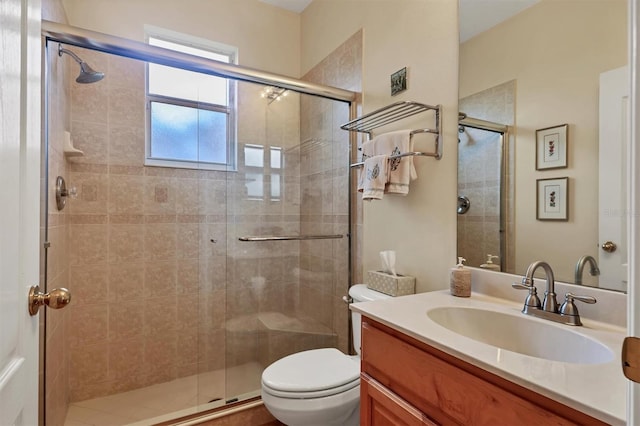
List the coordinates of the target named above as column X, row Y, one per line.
column 540, row 155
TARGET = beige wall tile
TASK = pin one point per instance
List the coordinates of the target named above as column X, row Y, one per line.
column 92, row 139
column 126, row 106
column 90, row 364
column 90, row 324
column 126, row 145
column 126, row 281
column 89, row 284
column 126, row 194
column 92, row 190
column 88, row 244
column 160, row 280
column 126, row 320
column 126, row 243
column 90, row 102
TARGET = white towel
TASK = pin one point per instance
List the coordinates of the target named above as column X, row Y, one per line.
column 375, row 174
column 401, row 170
column 367, row 152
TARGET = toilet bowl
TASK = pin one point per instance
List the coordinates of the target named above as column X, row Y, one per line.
column 319, row 387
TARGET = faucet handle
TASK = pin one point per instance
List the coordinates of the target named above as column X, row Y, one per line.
column 569, row 308
column 532, row 299
column 586, row 299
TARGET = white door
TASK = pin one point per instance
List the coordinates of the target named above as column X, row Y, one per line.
column 614, row 107
column 19, row 212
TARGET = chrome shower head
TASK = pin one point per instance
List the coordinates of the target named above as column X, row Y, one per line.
column 87, row 74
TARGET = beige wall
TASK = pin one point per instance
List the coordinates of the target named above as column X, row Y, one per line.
column 555, row 51
column 267, row 38
column 422, row 36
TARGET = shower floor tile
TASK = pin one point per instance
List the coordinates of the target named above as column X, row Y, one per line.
column 168, row 400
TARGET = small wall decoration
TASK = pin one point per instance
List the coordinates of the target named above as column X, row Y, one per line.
column 552, row 199
column 399, row 81
column 551, row 147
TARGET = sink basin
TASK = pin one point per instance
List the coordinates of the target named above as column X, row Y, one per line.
column 524, row 335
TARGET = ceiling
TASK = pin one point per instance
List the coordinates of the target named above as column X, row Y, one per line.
column 296, row 6
column 476, row 16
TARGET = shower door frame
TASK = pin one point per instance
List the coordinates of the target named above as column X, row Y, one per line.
column 503, row 131
column 74, row 36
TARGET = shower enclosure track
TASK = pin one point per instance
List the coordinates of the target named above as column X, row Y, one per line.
column 53, row 31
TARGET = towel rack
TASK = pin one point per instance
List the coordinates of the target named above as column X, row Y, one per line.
column 395, row 112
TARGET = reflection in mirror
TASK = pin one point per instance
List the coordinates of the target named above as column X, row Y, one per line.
column 527, row 65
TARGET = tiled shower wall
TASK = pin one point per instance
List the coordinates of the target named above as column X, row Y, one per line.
column 162, row 286
column 148, row 245
column 324, row 179
column 479, row 177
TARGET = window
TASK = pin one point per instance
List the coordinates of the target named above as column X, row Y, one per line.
column 190, row 116
column 263, row 175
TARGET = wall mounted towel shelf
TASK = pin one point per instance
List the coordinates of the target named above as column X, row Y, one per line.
column 395, row 112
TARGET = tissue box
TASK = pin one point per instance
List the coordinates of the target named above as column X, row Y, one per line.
column 388, row 284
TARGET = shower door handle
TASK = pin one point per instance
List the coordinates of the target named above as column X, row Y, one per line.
column 57, row 298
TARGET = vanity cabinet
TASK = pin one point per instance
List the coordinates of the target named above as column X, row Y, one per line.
column 407, row 382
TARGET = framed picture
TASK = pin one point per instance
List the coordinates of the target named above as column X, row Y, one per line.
column 552, row 199
column 399, row 81
column 551, row 147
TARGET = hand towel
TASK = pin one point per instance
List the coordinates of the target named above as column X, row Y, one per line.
column 401, row 170
column 367, row 152
column 375, row 176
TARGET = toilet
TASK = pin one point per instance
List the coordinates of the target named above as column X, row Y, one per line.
column 319, row 387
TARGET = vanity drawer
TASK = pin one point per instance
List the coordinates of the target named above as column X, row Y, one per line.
column 380, row 406
column 451, row 391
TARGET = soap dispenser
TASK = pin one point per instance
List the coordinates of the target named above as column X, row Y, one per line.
column 460, row 279
column 490, row 265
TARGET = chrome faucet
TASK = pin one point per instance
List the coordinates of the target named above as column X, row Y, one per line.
column 548, row 309
column 593, row 271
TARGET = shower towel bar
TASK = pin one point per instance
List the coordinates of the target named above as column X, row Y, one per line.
column 291, row 237
column 394, row 112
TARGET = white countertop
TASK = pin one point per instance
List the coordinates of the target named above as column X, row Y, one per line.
column 598, row 390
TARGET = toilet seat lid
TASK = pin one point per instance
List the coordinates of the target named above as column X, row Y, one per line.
column 312, row 371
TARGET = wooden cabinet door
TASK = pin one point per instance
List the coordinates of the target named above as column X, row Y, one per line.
column 381, row 407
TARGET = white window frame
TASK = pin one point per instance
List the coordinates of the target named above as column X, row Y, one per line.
column 230, row 109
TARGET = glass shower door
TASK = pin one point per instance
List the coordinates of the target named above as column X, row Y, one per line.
column 285, row 295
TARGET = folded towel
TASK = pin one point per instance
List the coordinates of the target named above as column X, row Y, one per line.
column 374, row 176
column 402, row 171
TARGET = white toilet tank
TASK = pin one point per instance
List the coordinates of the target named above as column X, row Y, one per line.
column 360, row 293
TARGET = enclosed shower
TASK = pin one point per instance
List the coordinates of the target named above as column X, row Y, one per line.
column 186, row 282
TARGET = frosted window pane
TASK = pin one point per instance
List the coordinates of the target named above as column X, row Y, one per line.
column 182, row 84
column 187, row 134
column 276, row 158
column 254, row 184
column 275, row 186
column 253, row 156
column 212, row 136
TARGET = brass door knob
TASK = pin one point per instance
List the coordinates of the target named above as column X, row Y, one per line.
column 56, row 299
column 609, row 246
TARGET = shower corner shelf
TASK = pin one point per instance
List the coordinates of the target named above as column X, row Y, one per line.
column 68, row 148
column 395, row 112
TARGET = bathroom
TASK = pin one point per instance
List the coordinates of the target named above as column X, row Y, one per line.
column 429, row 27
